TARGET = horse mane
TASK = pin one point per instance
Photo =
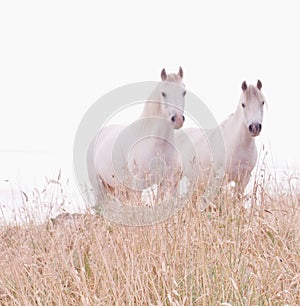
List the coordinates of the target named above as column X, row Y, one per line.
column 151, row 108
column 152, row 105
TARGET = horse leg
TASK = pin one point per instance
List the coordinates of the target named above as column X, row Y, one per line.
column 240, row 185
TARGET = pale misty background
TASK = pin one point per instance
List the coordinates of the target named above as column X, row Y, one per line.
column 58, row 57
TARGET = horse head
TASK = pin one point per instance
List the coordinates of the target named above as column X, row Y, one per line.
column 251, row 103
column 172, row 96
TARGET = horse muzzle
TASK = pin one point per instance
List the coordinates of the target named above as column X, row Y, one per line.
column 255, row 129
column 177, row 121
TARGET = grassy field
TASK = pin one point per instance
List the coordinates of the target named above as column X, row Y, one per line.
column 227, row 255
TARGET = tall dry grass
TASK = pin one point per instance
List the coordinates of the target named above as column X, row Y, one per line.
column 228, row 255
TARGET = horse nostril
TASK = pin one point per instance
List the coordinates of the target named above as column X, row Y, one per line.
column 173, row 118
column 259, row 127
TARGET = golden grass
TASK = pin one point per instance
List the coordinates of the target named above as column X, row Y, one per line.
column 223, row 256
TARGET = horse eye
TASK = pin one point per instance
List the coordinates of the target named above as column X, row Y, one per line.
column 243, row 105
column 184, row 93
column 163, row 94
column 263, row 102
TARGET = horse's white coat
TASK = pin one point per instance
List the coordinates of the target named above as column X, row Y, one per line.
column 128, row 156
column 236, row 136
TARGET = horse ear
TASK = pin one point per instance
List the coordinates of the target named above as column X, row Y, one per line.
column 244, row 86
column 259, row 84
column 180, row 72
column 163, row 74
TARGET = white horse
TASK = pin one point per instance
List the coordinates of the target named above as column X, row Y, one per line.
column 132, row 158
column 233, row 143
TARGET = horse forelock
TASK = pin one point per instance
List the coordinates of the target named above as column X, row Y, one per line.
column 174, row 78
column 252, row 92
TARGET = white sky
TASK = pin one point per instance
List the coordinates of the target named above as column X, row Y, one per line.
column 58, row 57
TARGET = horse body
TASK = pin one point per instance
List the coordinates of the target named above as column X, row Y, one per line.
column 240, row 151
column 239, row 132
column 236, row 135
column 130, row 157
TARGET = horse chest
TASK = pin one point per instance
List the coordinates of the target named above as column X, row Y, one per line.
column 240, row 159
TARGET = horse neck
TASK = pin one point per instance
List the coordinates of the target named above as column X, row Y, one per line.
column 238, row 130
column 152, row 106
column 158, row 125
